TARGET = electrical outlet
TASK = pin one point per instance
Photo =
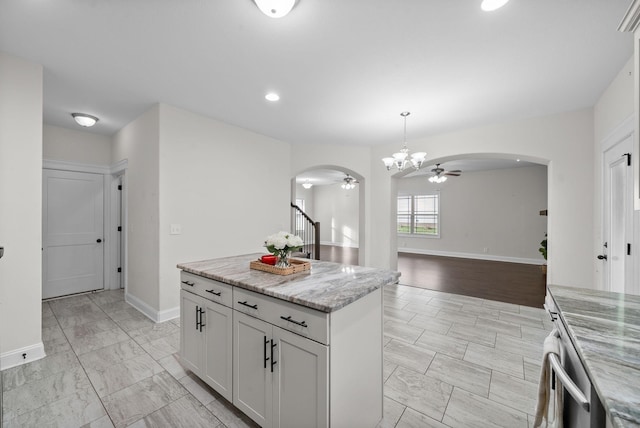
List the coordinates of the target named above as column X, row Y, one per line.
column 176, row 229
column 485, row 250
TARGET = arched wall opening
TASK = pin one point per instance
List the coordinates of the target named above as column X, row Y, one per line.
column 333, row 226
column 478, row 222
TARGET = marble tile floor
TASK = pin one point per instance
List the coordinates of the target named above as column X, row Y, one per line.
column 449, row 361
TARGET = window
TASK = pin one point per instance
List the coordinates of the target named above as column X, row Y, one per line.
column 419, row 215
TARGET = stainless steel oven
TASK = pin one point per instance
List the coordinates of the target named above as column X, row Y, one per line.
column 582, row 406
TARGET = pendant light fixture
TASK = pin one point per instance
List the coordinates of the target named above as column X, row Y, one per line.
column 275, row 8
column 399, row 160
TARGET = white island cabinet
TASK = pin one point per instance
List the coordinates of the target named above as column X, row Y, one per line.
column 300, row 351
column 206, row 343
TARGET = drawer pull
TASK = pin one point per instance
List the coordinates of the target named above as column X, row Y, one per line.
column 190, row 284
column 248, row 305
column 219, row 293
column 302, row 324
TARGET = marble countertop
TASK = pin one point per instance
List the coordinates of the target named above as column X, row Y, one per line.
column 327, row 287
column 605, row 329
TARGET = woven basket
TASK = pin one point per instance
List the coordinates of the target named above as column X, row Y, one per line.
column 296, row 266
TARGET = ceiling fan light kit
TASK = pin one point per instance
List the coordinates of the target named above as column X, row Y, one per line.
column 403, row 158
column 349, row 183
column 440, row 174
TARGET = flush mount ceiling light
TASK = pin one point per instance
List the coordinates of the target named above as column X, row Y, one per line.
column 272, row 96
column 306, row 184
column 84, row 119
column 349, row 183
column 491, row 5
column 275, row 8
column 399, row 160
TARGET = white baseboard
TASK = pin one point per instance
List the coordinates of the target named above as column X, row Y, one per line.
column 339, row 244
column 169, row 314
column 22, row 356
column 151, row 313
column 491, row 257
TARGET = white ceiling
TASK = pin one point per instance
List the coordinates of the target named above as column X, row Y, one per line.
column 344, row 69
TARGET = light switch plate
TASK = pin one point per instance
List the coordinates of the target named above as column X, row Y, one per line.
column 176, row 229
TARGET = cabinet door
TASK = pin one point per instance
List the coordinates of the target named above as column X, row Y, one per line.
column 191, row 342
column 218, row 345
column 300, row 384
column 252, row 368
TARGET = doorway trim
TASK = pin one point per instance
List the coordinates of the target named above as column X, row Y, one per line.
column 111, row 174
column 622, row 132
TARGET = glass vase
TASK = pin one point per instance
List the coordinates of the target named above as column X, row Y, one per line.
column 283, row 259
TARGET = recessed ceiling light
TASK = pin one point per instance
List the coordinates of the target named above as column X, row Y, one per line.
column 517, row 160
column 272, row 96
column 84, row 119
column 490, row 5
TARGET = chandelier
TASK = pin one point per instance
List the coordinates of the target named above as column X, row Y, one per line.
column 349, row 183
column 399, row 160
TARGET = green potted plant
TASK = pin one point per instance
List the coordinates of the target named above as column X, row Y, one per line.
column 543, row 251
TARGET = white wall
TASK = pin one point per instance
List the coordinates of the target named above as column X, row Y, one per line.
column 20, row 210
column 138, row 142
column 307, row 195
column 614, row 107
column 337, row 211
column 224, row 185
column 78, row 146
column 564, row 140
column 496, row 210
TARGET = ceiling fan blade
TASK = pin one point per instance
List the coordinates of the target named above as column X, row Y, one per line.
column 455, row 171
column 452, row 174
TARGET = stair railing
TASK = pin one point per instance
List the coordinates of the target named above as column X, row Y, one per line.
column 309, row 231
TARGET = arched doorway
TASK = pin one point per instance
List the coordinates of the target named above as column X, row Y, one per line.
column 333, row 196
column 485, row 218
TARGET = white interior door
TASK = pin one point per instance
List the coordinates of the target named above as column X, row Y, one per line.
column 72, row 233
column 618, row 217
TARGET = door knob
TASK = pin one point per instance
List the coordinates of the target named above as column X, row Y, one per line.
column 99, row 240
column 602, row 257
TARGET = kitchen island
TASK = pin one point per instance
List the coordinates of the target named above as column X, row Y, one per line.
column 604, row 328
column 288, row 351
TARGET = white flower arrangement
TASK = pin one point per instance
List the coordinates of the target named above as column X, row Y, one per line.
column 281, row 244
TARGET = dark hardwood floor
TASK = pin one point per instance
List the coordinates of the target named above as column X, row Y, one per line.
column 344, row 255
column 518, row 283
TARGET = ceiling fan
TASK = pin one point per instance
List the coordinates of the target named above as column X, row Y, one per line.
column 349, row 182
column 440, row 174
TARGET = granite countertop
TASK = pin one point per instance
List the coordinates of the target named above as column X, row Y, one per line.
column 605, row 329
column 327, row 287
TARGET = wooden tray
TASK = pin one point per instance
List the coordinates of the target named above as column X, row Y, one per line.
column 296, row 266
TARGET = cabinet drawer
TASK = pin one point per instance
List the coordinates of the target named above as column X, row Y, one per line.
column 215, row 291
column 298, row 319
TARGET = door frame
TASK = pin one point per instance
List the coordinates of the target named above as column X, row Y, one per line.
column 112, row 175
column 623, row 131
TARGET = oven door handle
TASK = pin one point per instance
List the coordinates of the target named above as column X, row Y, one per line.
column 567, row 383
